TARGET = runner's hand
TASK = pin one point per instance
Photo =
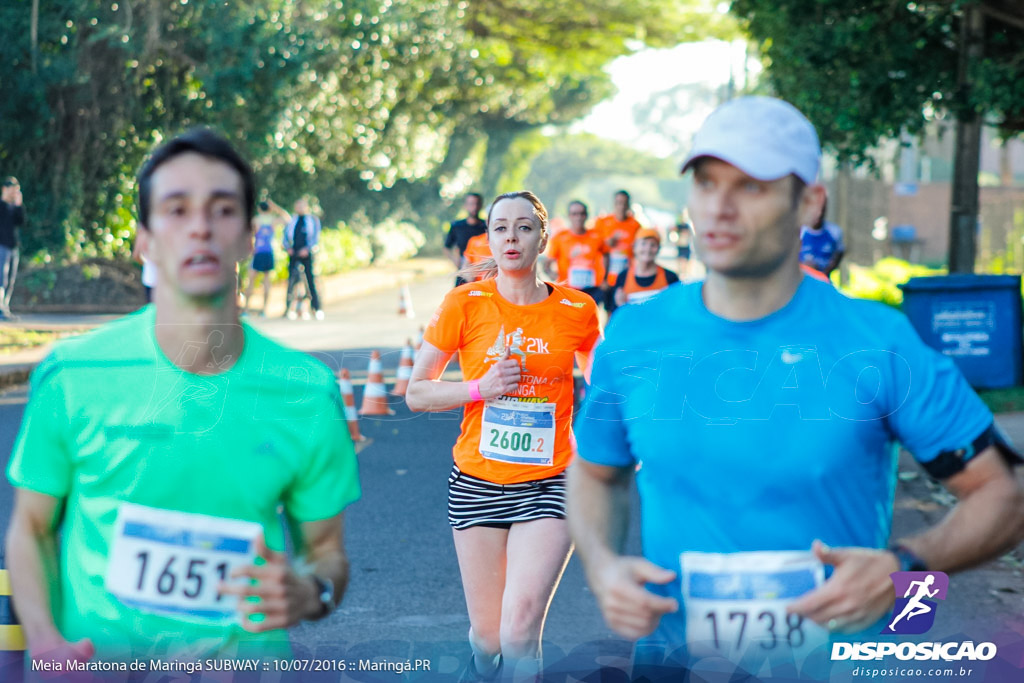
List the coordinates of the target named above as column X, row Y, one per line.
column 285, row 598
column 629, row 609
column 503, row 377
column 858, row 593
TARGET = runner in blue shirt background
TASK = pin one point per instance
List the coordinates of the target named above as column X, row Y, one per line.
column 821, row 244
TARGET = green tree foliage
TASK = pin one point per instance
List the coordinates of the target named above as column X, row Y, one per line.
column 571, row 159
column 375, row 106
column 862, row 70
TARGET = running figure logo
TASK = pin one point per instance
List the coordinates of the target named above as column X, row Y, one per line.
column 515, row 346
column 914, row 613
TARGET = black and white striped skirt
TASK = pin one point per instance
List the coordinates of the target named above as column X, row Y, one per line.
column 478, row 502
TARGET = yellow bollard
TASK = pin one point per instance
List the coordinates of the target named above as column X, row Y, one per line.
column 11, row 637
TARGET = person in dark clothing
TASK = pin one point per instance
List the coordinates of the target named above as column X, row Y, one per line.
column 12, row 215
column 301, row 235
column 462, row 231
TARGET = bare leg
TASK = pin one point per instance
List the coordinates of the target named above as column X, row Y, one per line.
column 538, row 552
column 481, row 552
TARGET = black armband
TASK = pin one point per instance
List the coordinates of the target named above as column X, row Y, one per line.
column 948, row 463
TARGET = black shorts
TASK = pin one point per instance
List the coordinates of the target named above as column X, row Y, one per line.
column 263, row 262
column 477, row 502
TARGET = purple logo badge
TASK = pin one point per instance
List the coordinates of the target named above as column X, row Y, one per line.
column 916, row 592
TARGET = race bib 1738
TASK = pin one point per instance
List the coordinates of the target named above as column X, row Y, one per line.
column 736, row 604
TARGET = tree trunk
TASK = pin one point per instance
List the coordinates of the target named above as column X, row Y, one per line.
column 34, row 35
column 963, row 222
column 843, row 216
column 500, row 136
column 1005, row 164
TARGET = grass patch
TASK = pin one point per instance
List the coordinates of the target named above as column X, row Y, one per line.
column 1009, row 400
column 13, row 339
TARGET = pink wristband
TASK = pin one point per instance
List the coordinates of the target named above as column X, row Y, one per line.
column 474, row 390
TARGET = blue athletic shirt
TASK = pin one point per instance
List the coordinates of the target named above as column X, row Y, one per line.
column 817, row 247
column 264, row 240
column 768, row 434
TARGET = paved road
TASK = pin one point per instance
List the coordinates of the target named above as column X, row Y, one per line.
column 405, row 599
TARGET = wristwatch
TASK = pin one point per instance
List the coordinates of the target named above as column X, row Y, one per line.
column 325, row 594
column 909, row 561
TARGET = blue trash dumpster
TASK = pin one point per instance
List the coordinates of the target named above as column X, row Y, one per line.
column 974, row 319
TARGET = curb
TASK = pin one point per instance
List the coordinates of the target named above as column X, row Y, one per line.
column 333, row 288
column 13, row 376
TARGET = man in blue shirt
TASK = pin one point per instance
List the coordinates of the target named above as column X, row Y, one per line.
column 821, row 244
column 759, row 410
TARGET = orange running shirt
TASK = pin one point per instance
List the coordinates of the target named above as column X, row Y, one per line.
column 477, row 249
column 634, row 292
column 476, row 322
column 609, row 226
column 580, row 258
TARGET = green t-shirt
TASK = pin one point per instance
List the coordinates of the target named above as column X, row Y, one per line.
column 111, row 420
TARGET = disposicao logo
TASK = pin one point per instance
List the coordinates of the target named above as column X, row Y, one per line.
column 914, row 614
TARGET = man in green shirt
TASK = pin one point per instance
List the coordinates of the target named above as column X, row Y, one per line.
column 156, row 452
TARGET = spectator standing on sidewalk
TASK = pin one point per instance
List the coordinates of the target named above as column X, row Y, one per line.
column 12, row 216
column 265, row 225
column 301, row 235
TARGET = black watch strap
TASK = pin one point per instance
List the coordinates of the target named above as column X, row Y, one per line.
column 909, row 561
column 325, row 594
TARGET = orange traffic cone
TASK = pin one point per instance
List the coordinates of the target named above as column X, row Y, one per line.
column 405, row 303
column 375, row 394
column 404, row 369
column 349, row 398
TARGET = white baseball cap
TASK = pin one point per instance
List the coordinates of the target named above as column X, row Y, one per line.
column 764, row 137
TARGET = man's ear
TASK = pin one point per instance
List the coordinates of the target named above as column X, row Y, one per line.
column 142, row 241
column 812, row 203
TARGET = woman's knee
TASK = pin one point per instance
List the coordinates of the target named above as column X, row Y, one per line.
column 521, row 622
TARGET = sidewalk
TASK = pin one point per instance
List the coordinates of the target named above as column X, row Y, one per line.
column 15, row 368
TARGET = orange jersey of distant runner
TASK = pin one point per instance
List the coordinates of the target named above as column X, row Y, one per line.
column 477, row 249
column 580, row 258
column 525, row 435
column 624, row 232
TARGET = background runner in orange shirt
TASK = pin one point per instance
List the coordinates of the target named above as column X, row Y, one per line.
column 477, row 251
column 644, row 278
column 618, row 230
column 516, row 337
column 578, row 255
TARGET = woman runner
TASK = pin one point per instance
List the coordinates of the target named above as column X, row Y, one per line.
column 516, row 337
